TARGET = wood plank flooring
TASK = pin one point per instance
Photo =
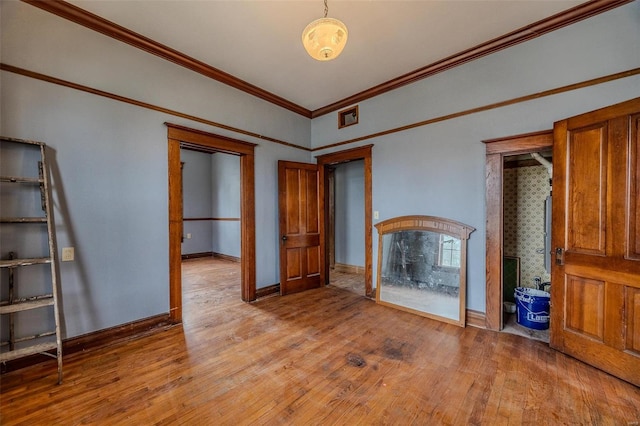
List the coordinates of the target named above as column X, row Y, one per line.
column 327, row 356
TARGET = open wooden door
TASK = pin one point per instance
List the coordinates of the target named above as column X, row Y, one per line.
column 298, row 199
column 595, row 290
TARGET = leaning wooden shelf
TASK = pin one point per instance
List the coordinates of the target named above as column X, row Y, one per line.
column 15, row 305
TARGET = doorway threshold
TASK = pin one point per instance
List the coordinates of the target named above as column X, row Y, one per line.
column 511, row 326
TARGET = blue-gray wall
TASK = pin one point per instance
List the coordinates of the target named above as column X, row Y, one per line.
column 225, row 203
column 439, row 169
column 197, row 190
column 110, row 158
column 211, row 188
column 349, row 213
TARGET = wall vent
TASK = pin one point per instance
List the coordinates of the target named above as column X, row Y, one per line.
column 348, row 117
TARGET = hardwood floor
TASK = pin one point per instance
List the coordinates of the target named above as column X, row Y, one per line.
column 326, row 356
column 347, row 281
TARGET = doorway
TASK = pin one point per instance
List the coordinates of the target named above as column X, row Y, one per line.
column 181, row 137
column 327, row 164
column 346, row 233
column 526, row 242
column 496, row 152
column 211, row 204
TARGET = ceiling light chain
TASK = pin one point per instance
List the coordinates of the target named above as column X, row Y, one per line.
column 325, row 38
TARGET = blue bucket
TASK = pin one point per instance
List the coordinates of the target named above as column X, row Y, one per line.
column 532, row 307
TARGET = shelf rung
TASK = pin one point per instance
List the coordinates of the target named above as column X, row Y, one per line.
column 25, row 306
column 26, row 338
column 26, row 299
column 19, row 179
column 36, row 336
column 24, row 141
column 24, row 262
column 31, row 350
column 23, row 220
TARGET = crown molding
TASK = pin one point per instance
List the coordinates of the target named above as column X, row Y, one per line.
column 537, row 29
column 89, row 20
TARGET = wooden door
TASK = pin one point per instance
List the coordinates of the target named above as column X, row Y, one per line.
column 595, row 287
column 298, row 199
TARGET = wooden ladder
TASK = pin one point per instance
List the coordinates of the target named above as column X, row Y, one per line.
column 14, row 307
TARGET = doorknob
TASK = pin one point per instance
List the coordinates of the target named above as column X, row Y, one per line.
column 559, row 256
column 284, row 238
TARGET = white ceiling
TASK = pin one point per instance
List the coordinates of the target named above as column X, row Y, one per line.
column 259, row 41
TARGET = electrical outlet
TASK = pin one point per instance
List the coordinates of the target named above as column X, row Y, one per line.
column 67, row 254
column 376, row 214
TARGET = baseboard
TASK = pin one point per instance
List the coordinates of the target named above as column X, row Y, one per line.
column 348, row 269
column 210, row 254
column 268, row 291
column 226, row 257
column 476, row 318
column 197, row 255
column 96, row 340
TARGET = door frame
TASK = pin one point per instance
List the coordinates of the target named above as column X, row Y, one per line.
column 496, row 150
column 324, row 162
column 180, row 136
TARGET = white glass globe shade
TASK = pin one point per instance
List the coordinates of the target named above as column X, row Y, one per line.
column 325, row 38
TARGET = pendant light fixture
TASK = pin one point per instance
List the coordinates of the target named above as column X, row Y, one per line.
column 325, row 38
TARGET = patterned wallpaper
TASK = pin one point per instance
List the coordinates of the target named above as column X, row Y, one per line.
column 525, row 189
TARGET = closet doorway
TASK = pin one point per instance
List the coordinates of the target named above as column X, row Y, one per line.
column 351, row 165
column 346, row 230
column 496, row 152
